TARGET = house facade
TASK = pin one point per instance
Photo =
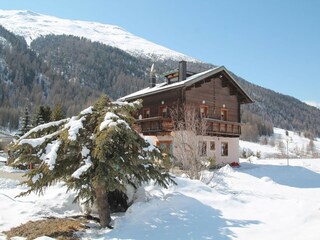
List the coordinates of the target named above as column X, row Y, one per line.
column 215, row 97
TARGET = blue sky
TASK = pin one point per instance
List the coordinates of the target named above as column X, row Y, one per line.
column 274, row 44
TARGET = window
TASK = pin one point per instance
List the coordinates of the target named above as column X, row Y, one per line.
column 202, row 148
column 224, row 114
column 146, row 113
column 224, row 149
column 204, row 111
column 166, row 146
column 164, row 111
column 212, row 146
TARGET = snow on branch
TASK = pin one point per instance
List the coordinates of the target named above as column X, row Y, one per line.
column 51, row 154
column 83, row 168
column 74, row 126
column 87, row 111
column 44, row 126
column 35, row 142
column 150, row 140
column 112, row 120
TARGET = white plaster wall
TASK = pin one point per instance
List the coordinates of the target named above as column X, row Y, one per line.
column 233, row 147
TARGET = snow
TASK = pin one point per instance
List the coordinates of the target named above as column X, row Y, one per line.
column 51, row 154
column 262, row 200
column 83, row 168
column 297, row 145
column 32, row 25
column 74, row 126
column 34, row 142
column 112, row 120
column 313, row 104
column 15, row 211
column 44, row 126
column 87, row 111
column 151, row 141
column 165, row 86
column 36, row 177
column 87, row 163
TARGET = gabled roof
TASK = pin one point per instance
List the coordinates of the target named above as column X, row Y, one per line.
column 165, row 86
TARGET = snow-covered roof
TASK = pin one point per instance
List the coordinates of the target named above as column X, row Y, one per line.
column 165, row 86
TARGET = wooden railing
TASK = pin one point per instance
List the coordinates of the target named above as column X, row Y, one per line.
column 219, row 127
column 215, row 127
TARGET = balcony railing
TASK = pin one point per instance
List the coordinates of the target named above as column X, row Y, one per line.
column 215, row 127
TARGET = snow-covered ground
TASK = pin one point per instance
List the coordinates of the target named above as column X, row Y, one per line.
column 264, row 199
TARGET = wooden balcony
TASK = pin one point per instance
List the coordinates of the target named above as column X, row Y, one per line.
column 223, row 128
column 164, row 126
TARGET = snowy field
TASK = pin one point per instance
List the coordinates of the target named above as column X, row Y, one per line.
column 297, row 145
column 264, row 199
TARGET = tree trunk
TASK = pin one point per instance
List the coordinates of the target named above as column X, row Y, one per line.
column 103, row 205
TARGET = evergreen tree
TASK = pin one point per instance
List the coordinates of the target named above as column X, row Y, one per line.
column 25, row 124
column 96, row 153
column 57, row 113
column 45, row 112
column 38, row 117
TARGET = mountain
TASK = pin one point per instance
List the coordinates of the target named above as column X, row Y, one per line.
column 32, row 25
column 313, row 104
column 74, row 70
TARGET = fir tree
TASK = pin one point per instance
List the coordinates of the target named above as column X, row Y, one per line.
column 96, row 153
column 38, row 117
column 25, row 124
column 57, row 113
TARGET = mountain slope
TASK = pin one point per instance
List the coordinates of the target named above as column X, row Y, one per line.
column 76, row 70
column 32, row 25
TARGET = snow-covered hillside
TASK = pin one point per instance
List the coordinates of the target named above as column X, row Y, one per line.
column 31, row 25
column 276, row 146
column 313, row 104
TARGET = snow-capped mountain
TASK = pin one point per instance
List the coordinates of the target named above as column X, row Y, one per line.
column 313, row 104
column 32, row 25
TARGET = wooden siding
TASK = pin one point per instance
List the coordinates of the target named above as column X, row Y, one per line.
column 155, row 101
column 217, row 96
column 214, row 94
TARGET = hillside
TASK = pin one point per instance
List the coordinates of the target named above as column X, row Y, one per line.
column 32, row 25
column 75, row 71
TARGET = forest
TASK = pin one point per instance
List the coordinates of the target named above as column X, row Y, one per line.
column 74, row 72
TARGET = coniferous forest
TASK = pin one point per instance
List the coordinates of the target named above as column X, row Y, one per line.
column 74, row 72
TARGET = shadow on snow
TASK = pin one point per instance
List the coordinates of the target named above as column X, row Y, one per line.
column 292, row 176
column 175, row 217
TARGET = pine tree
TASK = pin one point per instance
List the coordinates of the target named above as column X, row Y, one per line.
column 96, row 153
column 38, row 117
column 25, row 124
column 57, row 113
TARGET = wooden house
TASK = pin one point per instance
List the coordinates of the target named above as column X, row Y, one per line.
column 217, row 97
